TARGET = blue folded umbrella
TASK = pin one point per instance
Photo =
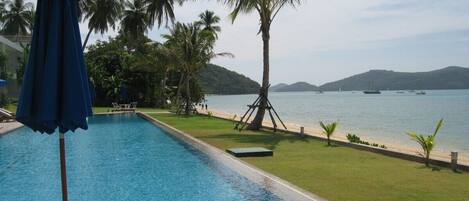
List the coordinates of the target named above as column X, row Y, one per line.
column 3, row 82
column 55, row 91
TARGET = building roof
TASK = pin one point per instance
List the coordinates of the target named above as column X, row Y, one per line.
column 10, row 44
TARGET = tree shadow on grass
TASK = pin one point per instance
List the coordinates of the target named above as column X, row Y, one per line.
column 261, row 138
column 331, row 146
column 433, row 168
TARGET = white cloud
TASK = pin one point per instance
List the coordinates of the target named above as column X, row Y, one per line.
column 324, row 40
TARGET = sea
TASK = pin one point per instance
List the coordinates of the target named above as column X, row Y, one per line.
column 385, row 117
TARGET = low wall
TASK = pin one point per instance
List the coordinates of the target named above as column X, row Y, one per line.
column 387, row 152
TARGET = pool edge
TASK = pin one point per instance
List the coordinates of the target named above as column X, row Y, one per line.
column 264, row 177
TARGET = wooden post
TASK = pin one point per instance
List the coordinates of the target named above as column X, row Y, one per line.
column 302, row 131
column 63, row 168
column 454, row 160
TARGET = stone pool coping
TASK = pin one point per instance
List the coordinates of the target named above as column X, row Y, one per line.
column 281, row 188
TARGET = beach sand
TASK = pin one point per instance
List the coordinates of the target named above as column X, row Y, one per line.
column 463, row 158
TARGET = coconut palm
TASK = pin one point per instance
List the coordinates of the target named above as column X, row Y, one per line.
column 427, row 142
column 194, row 50
column 82, row 8
column 2, row 11
column 267, row 10
column 208, row 21
column 328, row 129
column 101, row 15
column 30, row 18
column 160, row 11
column 134, row 18
column 15, row 17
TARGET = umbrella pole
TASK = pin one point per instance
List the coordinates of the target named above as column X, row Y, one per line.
column 63, row 170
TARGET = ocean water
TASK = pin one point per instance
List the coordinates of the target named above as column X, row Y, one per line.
column 120, row 157
column 385, row 117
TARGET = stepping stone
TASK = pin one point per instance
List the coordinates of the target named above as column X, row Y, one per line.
column 250, row 151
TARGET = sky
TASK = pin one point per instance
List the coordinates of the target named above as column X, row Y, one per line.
column 321, row 41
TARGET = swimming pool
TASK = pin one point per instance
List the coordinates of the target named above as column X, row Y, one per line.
column 120, row 157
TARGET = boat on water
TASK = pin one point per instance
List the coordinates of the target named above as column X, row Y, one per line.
column 372, row 90
column 421, row 93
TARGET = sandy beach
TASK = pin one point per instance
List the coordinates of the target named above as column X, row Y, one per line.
column 316, row 131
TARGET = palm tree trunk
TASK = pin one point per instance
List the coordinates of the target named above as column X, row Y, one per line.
column 87, row 37
column 427, row 159
column 178, row 92
column 187, row 110
column 163, row 88
column 256, row 124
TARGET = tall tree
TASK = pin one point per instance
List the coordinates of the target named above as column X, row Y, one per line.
column 15, row 17
column 208, row 21
column 82, row 8
column 194, row 49
column 30, row 18
column 160, row 11
column 267, row 10
column 134, row 18
column 2, row 12
column 101, row 15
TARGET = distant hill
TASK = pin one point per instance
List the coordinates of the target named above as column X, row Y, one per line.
column 277, row 86
column 298, row 86
column 218, row 80
column 453, row 77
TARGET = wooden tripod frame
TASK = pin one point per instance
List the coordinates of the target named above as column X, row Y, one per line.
column 244, row 121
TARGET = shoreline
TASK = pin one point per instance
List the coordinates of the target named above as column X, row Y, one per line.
column 463, row 158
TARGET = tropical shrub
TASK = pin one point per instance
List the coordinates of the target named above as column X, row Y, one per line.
column 328, row 129
column 4, row 100
column 355, row 139
column 427, row 142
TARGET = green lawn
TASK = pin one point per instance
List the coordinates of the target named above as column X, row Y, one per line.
column 335, row 173
column 108, row 109
column 12, row 108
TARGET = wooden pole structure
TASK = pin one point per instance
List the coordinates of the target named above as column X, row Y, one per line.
column 275, row 112
column 242, row 118
column 243, row 122
column 63, row 168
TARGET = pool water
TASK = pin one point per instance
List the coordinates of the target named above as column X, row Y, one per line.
column 120, row 157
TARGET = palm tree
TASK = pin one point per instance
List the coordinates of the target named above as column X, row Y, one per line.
column 328, row 129
column 160, row 10
column 30, row 18
column 82, row 8
column 267, row 10
column 426, row 142
column 208, row 19
column 101, row 15
column 194, row 50
column 2, row 11
column 134, row 19
column 15, row 17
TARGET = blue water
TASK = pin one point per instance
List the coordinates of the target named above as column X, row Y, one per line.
column 120, row 157
column 385, row 117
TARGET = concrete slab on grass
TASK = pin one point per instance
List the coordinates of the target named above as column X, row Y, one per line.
column 250, row 152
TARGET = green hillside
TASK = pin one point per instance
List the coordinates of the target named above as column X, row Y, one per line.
column 218, row 80
column 298, row 86
column 452, row 77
